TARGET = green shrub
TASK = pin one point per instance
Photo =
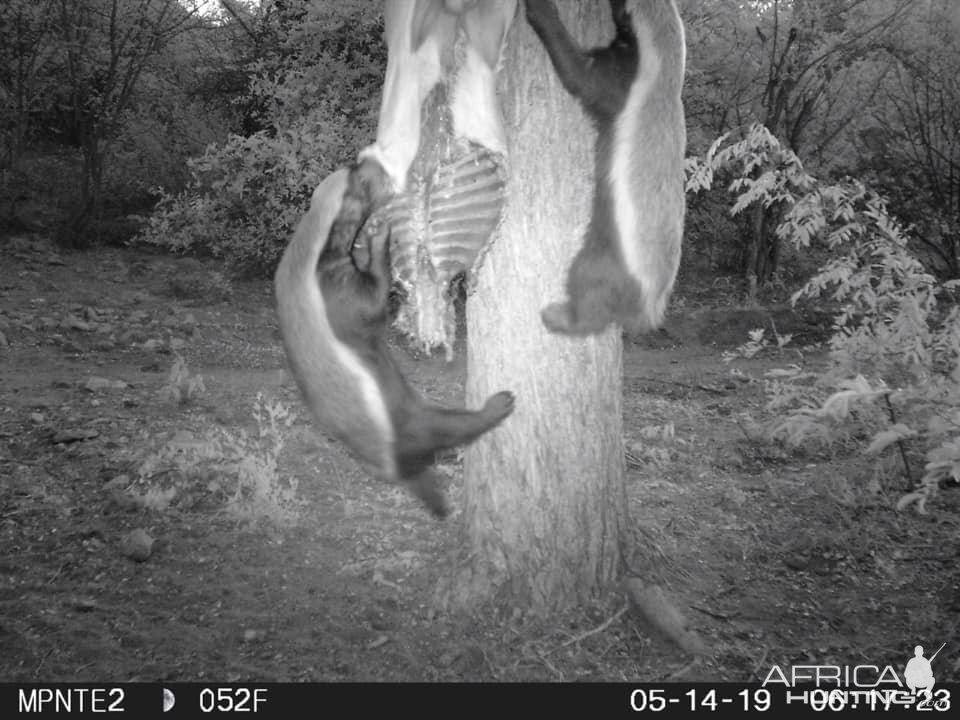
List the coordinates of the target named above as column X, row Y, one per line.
column 894, row 354
column 895, row 350
column 317, row 103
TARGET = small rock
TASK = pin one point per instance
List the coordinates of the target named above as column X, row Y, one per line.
column 132, row 337
column 379, row 642
column 253, row 635
column 84, row 604
column 72, row 322
column 36, row 402
column 136, row 545
column 177, row 343
column 796, row 562
column 69, row 436
column 153, row 344
column 36, row 418
column 120, row 482
column 99, row 384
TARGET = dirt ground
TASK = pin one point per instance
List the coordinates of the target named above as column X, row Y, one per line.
column 131, row 551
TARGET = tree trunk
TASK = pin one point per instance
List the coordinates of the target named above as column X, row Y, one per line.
column 544, row 500
column 752, row 253
column 97, row 152
column 774, row 264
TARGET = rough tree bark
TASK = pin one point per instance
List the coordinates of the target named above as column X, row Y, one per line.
column 544, row 500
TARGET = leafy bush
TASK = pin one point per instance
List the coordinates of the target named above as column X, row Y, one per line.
column 895, row 351
column 894, row 370
column 761, row 170
column 154, row 141
column 763, row 177
column 317, row 103
column 247, row 195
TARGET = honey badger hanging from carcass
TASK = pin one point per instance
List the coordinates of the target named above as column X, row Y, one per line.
column 332, row 288
column 626, row 268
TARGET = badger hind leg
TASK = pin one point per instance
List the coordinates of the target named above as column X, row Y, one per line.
column 427, row 429
column 430, row 428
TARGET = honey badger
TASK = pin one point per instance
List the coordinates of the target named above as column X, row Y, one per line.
column 332, row 288
column 627, row 265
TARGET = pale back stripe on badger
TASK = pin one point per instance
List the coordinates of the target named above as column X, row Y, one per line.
column 369, row 388
column 314, row 351
column 622, row 168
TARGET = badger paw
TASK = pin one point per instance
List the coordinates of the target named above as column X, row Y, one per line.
column 499, row 406
column 557, row 318
column 587, row 317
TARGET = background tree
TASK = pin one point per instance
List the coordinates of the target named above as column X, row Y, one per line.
column 105, row 45
column 911, row 145
column 805, row 69
column 25, row 54
column 90, row 89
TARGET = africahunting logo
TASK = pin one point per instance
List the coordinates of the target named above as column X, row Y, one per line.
column 847, row 686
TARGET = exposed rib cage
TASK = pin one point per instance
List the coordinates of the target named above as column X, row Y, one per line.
column 442, row 225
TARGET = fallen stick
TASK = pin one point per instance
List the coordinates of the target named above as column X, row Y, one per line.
column 599, row 629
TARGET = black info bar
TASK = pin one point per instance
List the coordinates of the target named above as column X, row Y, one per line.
column 585, row 700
